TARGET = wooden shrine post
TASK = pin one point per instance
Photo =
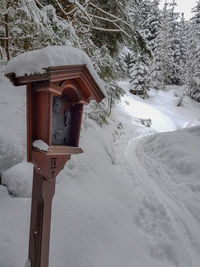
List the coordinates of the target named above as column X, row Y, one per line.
column 55, row 102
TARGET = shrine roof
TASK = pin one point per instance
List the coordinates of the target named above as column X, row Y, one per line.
column 38, row 62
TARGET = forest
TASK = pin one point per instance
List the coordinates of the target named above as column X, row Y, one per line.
column 133, row 39
column 132, row 198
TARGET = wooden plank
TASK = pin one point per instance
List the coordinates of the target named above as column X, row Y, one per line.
column 63, row 150
column 59, row 73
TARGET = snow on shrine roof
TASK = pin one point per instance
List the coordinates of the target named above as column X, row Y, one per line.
column 35, row 62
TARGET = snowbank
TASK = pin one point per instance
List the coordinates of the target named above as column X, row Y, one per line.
column 12, row 123
column 51, row 56
column 161, row 108
column 18, row 179
column 179, row 151
column 116, row 204
column 178, row 154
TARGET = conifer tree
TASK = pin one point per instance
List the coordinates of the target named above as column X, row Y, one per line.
column 193, row 58
column 166, row 67
column 166, row 52
column 139, row 62
column 153, row 26
column 149, row 22
column 183, row 31
column 139, row 74
column 25, row 27
column 175, row 45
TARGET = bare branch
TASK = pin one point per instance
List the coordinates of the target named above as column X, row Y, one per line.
column 112, row 16
column 63, row 11
column 109, row 30
column 105, row 19
column 38, row 2
column 82, row 9
column 103, row 11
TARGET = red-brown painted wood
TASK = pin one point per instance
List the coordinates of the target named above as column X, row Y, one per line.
column 39, row 239
column 72, row 87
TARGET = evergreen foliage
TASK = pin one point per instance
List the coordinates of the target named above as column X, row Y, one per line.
column 139, row 74
column 193, row 56
column 25, row 27
column 146, row 19
column 174, row 46
column 128, row 38
column 95, row 27
column 183, row 31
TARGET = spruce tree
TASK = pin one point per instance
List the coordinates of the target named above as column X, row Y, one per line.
column 139, row 62
column 175, row 45
column 26, row 27
column 193, row 58
column 153, row 26
column 183, row 31
column 139, row 75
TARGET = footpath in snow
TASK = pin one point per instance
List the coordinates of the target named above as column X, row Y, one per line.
column 130, row 200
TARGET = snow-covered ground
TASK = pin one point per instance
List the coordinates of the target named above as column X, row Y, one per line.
column 130, row 200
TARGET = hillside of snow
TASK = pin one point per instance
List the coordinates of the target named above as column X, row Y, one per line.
column 131, row 199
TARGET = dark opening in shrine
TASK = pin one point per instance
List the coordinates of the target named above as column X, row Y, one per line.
column 61, row 121
column 65, row 116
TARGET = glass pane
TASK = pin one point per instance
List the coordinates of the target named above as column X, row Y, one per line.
column 61, row 121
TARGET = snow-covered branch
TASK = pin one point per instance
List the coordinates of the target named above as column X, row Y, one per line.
column 83, row 10
column 113, row 19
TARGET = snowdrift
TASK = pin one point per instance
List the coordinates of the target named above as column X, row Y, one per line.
column 128, row 200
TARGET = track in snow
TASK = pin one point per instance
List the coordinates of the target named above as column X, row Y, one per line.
column 171, row 226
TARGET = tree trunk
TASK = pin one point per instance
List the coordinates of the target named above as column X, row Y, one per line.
column 7, row 37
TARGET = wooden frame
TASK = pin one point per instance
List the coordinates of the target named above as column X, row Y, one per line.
column 77, row 87
column 74, row 81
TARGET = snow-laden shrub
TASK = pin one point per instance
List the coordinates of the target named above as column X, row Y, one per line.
column 100, row 112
